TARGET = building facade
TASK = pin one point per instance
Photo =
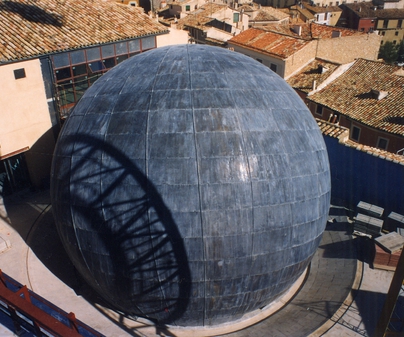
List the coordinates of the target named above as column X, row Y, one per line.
column 367, row 99
column 50, row 53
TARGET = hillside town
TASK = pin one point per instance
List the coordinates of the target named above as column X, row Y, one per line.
column 345, row 60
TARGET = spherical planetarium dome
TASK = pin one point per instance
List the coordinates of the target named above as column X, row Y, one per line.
column 190, row 185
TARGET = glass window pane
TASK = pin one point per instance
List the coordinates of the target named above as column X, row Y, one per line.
column 93, row 54
column 77, row 57
column 148, row 42
column 109, row 63
column 107, row 51
column 81, row 85
column 96, row 66
column 121, row 58
column 63, row 73
column 66, row 93
column 61, row 60
column 121, row 48
column 80, row 69
column 134, row 46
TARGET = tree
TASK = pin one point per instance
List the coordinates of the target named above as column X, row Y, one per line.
column 400, row 52
column 388, row 52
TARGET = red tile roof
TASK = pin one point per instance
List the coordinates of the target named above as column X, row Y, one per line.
column 201, row 16
column 30, row 28
column 353, row 94
column 269, row 42
column 312, row 30
column 368, row 10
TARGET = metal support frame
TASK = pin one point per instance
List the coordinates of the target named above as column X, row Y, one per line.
column 32, row 312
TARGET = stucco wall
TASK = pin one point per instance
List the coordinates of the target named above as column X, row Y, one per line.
column 265, row 58
column 176, row 36
column 300, row 59
column 347, row 49
column 24, row 112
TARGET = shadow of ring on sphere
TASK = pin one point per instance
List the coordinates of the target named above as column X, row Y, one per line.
column 117, row 229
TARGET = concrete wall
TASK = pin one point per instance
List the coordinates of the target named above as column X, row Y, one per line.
column 359, row 176
column 300, row 59
column 347, row 49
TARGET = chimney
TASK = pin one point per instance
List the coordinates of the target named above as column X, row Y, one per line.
column 378, row 94
column 314, row 85
column 297, row 29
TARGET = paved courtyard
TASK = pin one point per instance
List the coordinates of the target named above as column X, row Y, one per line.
column 342, row 294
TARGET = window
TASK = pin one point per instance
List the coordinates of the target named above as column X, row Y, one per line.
column 385, row 23
column 259, row 60
column 74, row 72
column 148, row 43
column 187, row 8
column 396, row 33
column 319, row 109
column 19, row 73
column 394, row 42
column 399, row 23
column 273, row 67
column 236, row 17
column 337, row 3
column 355, row 133
column 382, row 143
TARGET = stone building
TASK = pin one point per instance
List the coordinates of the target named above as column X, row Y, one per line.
column 287, row 49
column 367, row 99
column 367, row 17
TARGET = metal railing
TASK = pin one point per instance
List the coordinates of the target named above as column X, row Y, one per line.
column 33, row 314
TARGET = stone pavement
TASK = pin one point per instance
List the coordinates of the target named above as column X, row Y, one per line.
column 341, row 296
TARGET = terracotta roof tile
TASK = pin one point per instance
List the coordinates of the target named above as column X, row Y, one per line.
column 312, row 30
column 341, row 133
column 355, row 92
column 331, row 130
column 269, row 42
column 201, row 16
column 317, row 70
column 270, row 14
column 30, row 28
column 368, row 10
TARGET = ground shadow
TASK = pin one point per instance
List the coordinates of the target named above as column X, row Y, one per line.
column 140, row 241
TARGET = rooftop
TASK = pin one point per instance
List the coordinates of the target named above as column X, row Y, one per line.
column 322, row 9
column 368, row 10
column 318, row 70
column 342, row 134
column 30, row 28
column 269, row 42
column 369, row 92
column 313, row 30
column 201, row 16
column 270, row 14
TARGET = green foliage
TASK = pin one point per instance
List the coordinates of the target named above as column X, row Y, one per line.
column 400, row 52
column 388, row 52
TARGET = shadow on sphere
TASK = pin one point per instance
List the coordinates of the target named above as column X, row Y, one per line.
column 118, row 231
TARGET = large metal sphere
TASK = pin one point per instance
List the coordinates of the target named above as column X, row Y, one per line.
column 190, row 185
